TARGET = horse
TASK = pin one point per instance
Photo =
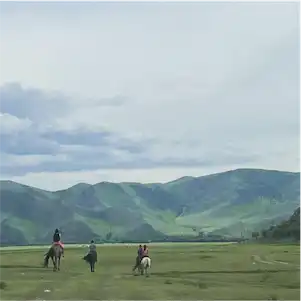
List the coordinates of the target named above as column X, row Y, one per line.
column 55, row 254
column 145, row 264
column 91, row 258
column 137, row 264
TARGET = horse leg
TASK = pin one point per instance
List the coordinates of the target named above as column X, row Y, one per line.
column 54, row 263
column 92, row 266
column 46, row 259
column 52, row 259
column 137, row 263
column 59, row 263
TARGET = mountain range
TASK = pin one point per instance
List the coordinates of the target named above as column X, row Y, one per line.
column 231, row 203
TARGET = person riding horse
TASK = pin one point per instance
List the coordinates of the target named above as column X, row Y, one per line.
column 91, row 257
column 144, row 252
column 138, row 258
column 145, row 261
column 56, row 240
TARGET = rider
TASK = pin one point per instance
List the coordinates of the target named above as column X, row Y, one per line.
column 144, row 252
column 138, row 258
column 139, row 252
column 57, row 240
column 92, row 247
column 91, row 256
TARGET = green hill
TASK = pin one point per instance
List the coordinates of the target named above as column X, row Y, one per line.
column 228, row 204
column 286, row 230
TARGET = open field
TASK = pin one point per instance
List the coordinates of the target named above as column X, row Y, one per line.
column 179, row 271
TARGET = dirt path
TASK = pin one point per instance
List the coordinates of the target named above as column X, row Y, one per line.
column 258, row 259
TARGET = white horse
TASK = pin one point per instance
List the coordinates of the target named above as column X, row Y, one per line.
column 145, row 265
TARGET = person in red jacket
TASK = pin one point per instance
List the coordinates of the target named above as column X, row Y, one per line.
column 57, row 240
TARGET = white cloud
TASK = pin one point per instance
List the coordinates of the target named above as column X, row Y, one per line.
column 11, row 124
column 213, row 83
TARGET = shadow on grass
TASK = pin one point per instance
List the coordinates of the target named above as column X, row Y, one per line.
column 187, row 282
column 179, row 273
column 9, row 252
column 206, row 257
column 211, row 251
column 3, row 285
column 291, row 286
column 20, row 266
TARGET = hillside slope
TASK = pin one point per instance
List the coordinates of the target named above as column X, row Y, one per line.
column 226, row 203
column 286, row 230
column 238, row 201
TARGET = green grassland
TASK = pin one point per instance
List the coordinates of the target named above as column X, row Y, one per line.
column 179, row 271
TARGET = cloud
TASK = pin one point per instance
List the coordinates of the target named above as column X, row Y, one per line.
column 204, row 87
column 29, row 122
column 12, row 124
column 31, row 103
column 25, row 135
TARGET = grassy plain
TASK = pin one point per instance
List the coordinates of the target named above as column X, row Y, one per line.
column 178, row 272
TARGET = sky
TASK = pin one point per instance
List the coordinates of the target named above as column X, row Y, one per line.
column 146, row 92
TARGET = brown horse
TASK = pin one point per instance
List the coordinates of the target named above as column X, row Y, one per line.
column 55, row 253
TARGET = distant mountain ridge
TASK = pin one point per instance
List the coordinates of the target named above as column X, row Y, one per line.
column 228, row 203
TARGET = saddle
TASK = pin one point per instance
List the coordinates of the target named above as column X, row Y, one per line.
column 145, row 256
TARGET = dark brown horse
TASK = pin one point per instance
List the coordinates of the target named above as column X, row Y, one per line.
column 91, row 258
